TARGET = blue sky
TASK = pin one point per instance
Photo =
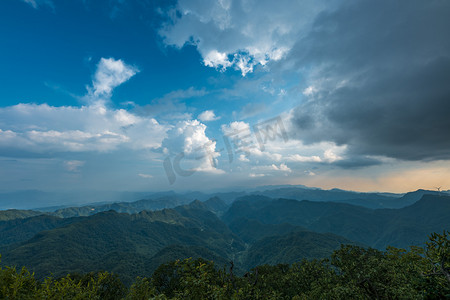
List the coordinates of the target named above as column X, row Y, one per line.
column 158, row 95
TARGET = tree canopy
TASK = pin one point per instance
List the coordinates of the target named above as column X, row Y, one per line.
column 352, row 272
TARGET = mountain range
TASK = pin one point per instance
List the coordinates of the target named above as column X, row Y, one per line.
column 134, row 238
column 51, row 201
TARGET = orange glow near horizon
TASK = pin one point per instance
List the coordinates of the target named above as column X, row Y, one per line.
column 429, row 176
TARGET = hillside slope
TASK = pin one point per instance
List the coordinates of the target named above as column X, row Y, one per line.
column 377, row 228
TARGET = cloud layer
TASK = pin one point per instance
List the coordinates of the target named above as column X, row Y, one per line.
column 30, row 129
column 47, row 129
column 239, row 33
column 375, row 75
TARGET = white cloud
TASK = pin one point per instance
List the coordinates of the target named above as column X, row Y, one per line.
column 75, row 140
column 6, row 135
column 73, row 165
column 36, row 3
column 282, row 167
column 31, row 2
column 147, row 176
column 300, row 158
column 240, row 33
column 244, row 63
column 273, row 167
column 95, row 127
column 256, row 175
column 330, row 156
column 243, row 158
column 208, row 115
column 241, row 138
column 110, row 74
column 189, row 138
column 41, row 128
column 217, row 60
column 309, row 90
column 125, row 118
column 276, row 152
column 236, row 128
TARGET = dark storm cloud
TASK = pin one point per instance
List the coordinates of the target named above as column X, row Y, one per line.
column 357, row 161
column 381, row 70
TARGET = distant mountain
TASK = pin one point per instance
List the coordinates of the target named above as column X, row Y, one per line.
column 93, row 202
column 369, row 200
column 39, row 200
column 21, row 229
column 228, row 198
column 412, row 197
column 12, row 214
column 376, row 228
column 216, row 205
column 123, row 207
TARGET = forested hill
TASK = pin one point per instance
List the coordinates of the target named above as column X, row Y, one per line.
column 136, row 244
column 352, row 272
column 376, row 228
column 253, row 230
column 12, row 214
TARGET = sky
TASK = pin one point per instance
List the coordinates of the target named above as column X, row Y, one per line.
column 122, row 95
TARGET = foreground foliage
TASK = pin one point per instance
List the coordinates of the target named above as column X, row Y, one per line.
column 352, row 272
